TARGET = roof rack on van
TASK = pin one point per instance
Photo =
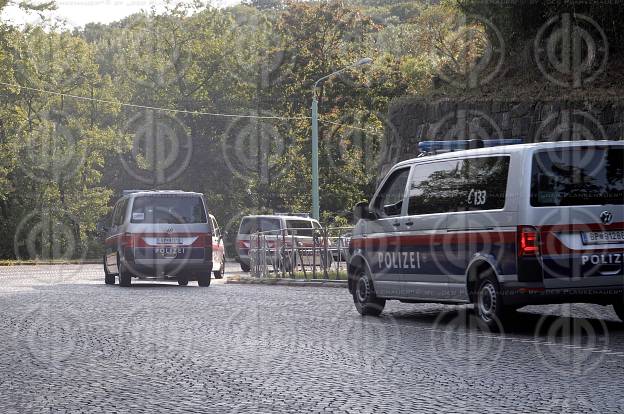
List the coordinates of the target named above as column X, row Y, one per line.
column 126, row 192
column 304, row 215
column 437, row 147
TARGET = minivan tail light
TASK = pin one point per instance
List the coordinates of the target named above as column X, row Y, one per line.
column 528, row 241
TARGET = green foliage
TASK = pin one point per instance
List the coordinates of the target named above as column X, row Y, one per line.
column 63, row 161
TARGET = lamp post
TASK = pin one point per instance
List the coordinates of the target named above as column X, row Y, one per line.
column 315, row 172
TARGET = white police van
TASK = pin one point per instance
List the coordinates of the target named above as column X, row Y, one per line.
column 498, row 226
column 163, row 235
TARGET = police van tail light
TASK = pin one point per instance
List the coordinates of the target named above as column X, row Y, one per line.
column 128, row 240
column 528, row 241
column 203, row 240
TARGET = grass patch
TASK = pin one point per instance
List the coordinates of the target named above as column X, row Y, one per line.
column 7, row 262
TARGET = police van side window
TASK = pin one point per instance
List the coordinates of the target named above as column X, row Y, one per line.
column 483, row 183
column 472, row 184
column 389, row 201
column 433, row 188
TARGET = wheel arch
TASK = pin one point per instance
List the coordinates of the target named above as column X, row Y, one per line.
column 477, row 267
column 356, row 263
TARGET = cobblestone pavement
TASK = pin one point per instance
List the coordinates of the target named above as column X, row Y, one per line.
column 73, row 344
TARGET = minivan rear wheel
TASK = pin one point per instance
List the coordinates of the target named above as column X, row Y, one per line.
column 618, row 307
column 364, row 297
column 245, row 267
column 218, row 274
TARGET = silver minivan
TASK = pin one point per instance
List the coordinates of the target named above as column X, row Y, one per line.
column 501, row 227
column 162, row 235
column 274, row 228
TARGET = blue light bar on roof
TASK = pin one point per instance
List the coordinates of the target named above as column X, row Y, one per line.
column 431, row 146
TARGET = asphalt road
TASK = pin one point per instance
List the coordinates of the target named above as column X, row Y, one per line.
column 72, row 344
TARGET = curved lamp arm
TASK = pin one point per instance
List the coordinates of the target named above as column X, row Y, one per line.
column 361, row 62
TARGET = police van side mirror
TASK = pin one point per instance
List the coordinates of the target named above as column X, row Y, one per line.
column 361, row 211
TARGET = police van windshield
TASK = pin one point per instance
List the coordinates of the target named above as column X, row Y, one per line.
column 168, row 209
column 578, row 176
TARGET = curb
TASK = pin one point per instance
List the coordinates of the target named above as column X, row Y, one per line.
column 44, row 263
column 286, row 282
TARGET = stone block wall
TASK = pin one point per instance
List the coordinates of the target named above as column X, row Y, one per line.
column 411, row 120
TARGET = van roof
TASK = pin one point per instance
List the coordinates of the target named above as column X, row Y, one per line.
column 508, row 149
column 277, row 216
column 133, row 193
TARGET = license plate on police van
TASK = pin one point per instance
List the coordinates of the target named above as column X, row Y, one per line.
column 602, row 237
column 169, row 240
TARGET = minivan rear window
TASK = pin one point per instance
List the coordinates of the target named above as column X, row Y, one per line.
column 168, row 209
column 251, row 225
column 578, row 176
column 299, row 227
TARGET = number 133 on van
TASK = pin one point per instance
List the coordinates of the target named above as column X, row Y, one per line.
column 477, row 197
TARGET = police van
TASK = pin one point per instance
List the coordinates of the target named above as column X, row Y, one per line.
column 499, row 226
column 163, row 235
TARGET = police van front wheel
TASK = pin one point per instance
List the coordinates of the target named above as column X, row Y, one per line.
column 618, row 307
column 364, row 297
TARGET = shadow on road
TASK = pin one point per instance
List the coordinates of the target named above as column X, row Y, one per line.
column 520, row 323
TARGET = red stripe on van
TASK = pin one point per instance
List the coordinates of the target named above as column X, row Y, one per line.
column 136, row 239
column 490, row 237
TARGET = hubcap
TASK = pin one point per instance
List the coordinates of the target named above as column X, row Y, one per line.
column 362, row 290
column 487, row 301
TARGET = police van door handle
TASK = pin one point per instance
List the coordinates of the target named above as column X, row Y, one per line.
column 396, row 223
column 409, row 223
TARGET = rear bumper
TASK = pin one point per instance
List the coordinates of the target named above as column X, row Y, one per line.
column 523, row 294
column 161, row 269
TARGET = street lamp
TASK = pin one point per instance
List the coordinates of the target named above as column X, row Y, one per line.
column 315, row 172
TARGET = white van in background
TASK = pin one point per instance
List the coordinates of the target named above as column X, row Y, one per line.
column 274, row 226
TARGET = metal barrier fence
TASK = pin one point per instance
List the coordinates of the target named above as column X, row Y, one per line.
column 300, row 253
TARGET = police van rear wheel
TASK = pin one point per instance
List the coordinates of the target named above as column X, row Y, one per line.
column 245, row 267
column 364, row 297
column 125, row 277
column 618, row 307
column 203, row 279
column 489, row 305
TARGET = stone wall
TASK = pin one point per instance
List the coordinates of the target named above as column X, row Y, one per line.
column 411, row 120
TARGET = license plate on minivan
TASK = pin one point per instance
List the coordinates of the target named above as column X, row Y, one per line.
column 169, row 240
column 602, row 237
